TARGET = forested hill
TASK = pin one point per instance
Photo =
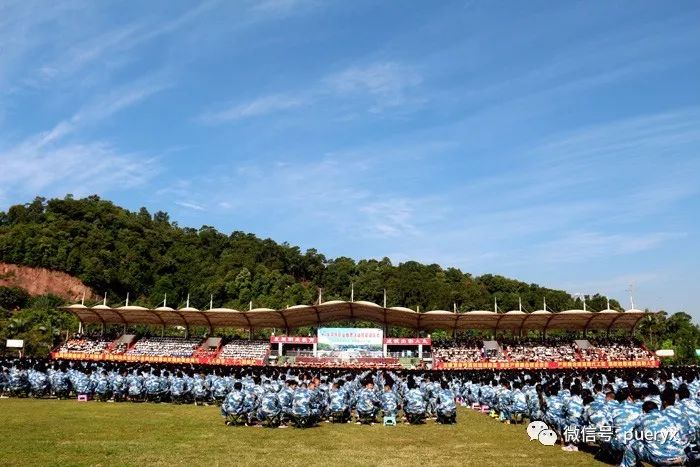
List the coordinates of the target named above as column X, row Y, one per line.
column 114, row 250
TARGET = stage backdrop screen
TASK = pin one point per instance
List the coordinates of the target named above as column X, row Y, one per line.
column 350, row 342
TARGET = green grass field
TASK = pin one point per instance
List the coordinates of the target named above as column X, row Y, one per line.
column 50, row 432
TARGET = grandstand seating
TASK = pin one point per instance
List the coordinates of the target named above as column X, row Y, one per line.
column 164, row 347
column 85, row 344
column 540, row 351
column 460, row 350
column 457, row 351
column 243, row 349
column 614, row 351
column 548, row 350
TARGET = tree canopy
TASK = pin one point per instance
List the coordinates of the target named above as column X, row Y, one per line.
column 117, row 251
column 114, row 250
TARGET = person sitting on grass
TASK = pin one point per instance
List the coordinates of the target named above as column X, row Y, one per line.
column 285, row 398
column 446, row 407
column 301, row 407
column 367, row 403
column 119, row 385
column 135, row 386
column 519, row 403
column 103, row 388
column 154, row 391
column 660, row 439
column 232, row 408
column 179, row 390
column 339, row 410
column 415, row 405
column 389, row 401
column 269, row 412
column 200, row 389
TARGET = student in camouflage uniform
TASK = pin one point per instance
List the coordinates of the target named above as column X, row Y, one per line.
column 103, row 387
column 415, row 404
column 269, row 413
column 662, row 440
column 232, row 408
column 367, row 403
column 301, row 407
column 389, row 402
column 179, row 390
column 339, row 408
column 446, row 407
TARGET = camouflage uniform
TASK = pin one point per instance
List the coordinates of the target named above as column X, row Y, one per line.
column 232, row 408
column 446, row 407
column 663, row 441
column 414, row 407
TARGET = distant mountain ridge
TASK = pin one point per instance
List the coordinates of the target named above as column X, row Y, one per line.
column 111, row 249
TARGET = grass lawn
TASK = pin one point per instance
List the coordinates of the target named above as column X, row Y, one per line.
column 50, row 432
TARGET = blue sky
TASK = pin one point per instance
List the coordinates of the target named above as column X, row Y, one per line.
column 553, row 142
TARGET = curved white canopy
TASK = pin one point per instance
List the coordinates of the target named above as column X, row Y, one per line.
column 308, row 315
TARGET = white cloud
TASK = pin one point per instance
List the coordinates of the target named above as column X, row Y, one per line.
column 80, row 169
column 389, row 218
column 585, row 246
column 49, row 163
column 256, row 108
column 388, row 83
column 279, row 7
column 190, row 205
column 384, row 85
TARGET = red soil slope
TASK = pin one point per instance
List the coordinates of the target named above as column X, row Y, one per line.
column 39, row 281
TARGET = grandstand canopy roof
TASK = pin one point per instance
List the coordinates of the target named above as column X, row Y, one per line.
column 333, row 311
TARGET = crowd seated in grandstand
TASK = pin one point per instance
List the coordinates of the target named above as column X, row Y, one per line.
column 164, row 347
column 245, row 349
column 548, row 350
column 85, row 344
column 459, row 350
column 610, row 350
column 119, row 348
column 553, row 349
